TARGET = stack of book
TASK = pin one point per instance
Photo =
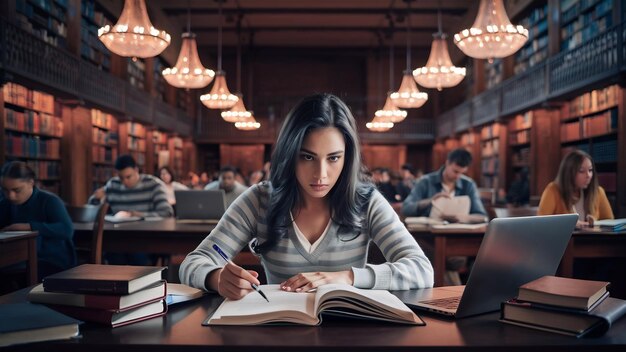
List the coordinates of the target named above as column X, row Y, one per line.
column 562, row 305
column 612, row 224
column 115, row 295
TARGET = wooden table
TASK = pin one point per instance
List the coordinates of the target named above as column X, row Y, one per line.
column 587, row 243
column 17, row 247
column 181, row 331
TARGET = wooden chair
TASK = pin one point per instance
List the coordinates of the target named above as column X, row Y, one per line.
column 487, row 196
column 93, row 253
column 514, row 212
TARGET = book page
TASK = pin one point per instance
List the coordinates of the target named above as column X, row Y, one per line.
column 285, row 307
column 376, row 304
column 450, row 206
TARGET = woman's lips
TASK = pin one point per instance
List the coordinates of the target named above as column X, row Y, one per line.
column 319, row 188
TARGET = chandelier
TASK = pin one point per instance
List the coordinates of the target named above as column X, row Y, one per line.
column 133, row 35
column 238, row 112
column 376, row 125
column 408, row 95
column 390, row 113
column 188, row 71
column 219, row 97
column 439, row 71
column 249, row 124
column 492, row 35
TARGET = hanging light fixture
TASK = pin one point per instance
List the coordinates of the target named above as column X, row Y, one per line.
column 408, row 95
column 188, row 71
column 133, row 35
column 239, row 113
column 439, row 71
column 219, row 97
column 492, row 35
column 377, row 125
column 390, row 112
column 248, row 124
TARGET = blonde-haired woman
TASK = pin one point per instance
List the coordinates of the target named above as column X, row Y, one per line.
column 575, row 190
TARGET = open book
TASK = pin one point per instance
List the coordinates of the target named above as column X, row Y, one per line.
column 122, row 216
column 459, row 206
column 306, row 308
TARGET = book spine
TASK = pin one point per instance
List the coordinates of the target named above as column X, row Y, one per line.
column 86, row 286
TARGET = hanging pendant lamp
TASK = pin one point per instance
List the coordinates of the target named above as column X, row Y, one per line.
column 492, row 35
column 188, row 72
column 390, row 113
column 408, row 95
column 248, row 124
column 377, row 125
column 219, row 97
column 439, row 71
column 133, row 35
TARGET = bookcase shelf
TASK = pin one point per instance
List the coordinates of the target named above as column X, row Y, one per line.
column 133, row 142
column 493, row 73
column 160, row 150
column 176, row 152
column 158, row 80
column 583, row 19
column 490, row 156
column 91, row 48
column 44, row 19
column 137, row 73
column 32, row 131
column 105, row 142
column 536, row 48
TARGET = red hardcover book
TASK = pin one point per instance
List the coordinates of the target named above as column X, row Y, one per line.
column 114, row 318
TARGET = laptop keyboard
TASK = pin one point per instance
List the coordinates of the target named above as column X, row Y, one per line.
column 447, row 303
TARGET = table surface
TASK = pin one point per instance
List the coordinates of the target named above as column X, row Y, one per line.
column 181, row 330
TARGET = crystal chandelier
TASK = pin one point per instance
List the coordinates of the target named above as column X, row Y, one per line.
column 238, row 112
column 390, row 113
column 249, row 124
column 408, row 95
column 492, row 35
column 219, row 97
column 133, row 35
column 376, row 125
column 439, row 71
column 188, row 71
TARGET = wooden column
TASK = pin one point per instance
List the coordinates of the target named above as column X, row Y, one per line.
column 76, row 151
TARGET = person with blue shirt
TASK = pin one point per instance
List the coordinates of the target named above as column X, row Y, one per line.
column 448, row 181
column 24, row 207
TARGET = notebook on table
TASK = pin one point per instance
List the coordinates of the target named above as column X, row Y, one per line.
column 513, row 252
column 200, row 206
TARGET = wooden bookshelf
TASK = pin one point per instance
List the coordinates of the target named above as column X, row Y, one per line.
column 91, row 48
column 175, row 145
column 581, row 20
column 45, row 19
column 105, row 144
column 470, row 140
column 158, row 82
column 133, row 142
column 492, row 158
column 589, row 122
column 136, row 70
column 535, row 50
column 32, row 131
column 161, row 152
column 493, row 73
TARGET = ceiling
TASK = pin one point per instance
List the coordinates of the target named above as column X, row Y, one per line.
column 320, row 23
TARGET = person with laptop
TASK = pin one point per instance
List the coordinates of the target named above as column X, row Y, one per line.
column 449, row 181
column 312, row 223
column 576, row 190
column 227, row 181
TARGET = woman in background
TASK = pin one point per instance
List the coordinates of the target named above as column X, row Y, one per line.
column 313, row 222
column 167, row 176
column 575, row 190
column 24, row 207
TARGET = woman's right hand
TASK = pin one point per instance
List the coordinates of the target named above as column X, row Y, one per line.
column 233, row 281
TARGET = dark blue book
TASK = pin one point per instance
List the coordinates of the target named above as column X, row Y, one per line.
column 26, row 322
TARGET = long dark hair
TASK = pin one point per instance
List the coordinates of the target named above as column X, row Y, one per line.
column 350, row 194
column 566, row 180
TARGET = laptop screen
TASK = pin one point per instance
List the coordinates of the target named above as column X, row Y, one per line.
column 200, row 204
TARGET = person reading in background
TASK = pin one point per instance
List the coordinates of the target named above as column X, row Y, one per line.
column 576, row 190
column 167, row 176
column 313, row 222
column 449, row 181
column 24, row 207
column 133, row 193
column 228, row 182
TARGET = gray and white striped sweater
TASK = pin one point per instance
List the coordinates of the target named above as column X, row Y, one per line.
column 147, row 196
column 406, row 268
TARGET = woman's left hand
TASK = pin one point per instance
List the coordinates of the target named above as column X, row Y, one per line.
column 308, row 281
column 18, row 227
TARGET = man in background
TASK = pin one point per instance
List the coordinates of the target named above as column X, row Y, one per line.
column 228, row 183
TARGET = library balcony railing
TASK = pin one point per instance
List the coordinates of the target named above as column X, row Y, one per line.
column 597, row 62
column 165, row 116
column 408, row 131
column 462, row 117
column 184, row 124
column 25, row 57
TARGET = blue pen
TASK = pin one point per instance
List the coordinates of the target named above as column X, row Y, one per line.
column 255, row 287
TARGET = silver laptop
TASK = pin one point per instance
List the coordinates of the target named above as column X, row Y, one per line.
column 200, row 206
column 513, row 252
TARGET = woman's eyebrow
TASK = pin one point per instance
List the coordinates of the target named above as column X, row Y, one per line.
column 315, row 154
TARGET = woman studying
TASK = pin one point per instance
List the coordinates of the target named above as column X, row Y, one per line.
column 576, row 190
column 313, row 221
